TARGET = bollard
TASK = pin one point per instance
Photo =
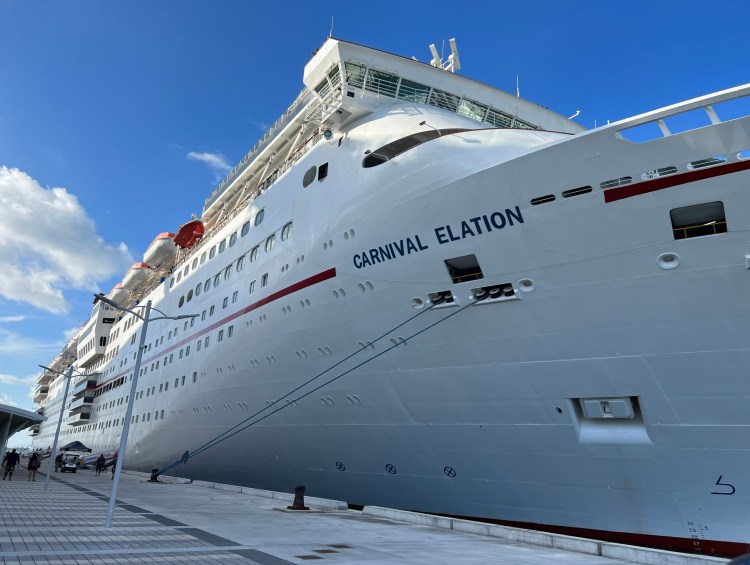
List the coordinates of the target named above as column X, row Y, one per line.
column 154, row 476
column 299, row 499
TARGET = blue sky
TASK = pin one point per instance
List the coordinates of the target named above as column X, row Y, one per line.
column 118, row 119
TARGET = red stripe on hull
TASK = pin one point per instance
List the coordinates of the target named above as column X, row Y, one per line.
column 645, row 187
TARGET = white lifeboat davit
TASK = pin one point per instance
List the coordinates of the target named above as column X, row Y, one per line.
column 160, row 250
column 136, row 275
column 119, row 294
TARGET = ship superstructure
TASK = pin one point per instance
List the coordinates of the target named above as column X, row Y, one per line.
column 449, row 299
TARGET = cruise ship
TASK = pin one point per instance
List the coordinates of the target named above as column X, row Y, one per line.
column 422, row 292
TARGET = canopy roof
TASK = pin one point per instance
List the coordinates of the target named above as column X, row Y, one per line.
column 14, row 420
column 74, row 446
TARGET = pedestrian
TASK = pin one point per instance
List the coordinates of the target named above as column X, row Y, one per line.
column 11, row 460
column 58, row 462
column 114, row 464
column 34, row 464
column 100, row 464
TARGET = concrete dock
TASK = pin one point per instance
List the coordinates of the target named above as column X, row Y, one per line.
column 199, row 522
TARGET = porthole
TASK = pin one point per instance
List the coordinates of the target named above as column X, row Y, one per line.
column 195, row 263
column 222, row 246
column 240, row 263
column 252, row 287
column 270, row 242
column 212, row 252
column 171, row 282
column 264, row 280
column 227, row 272
column 259, row 216
column 190, row 295
column 245, row 229
column 186, row 270
column 254, row 254
column 217, row 279
column 286, row 231
column 203, row 257
column 309, row 176
column 179, row 276
column 207, row 285
column 232, row 239
column 198, row 289
column 182, row 301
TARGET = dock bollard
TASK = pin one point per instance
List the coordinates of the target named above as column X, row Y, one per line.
column 299, row 499
column 154, row 476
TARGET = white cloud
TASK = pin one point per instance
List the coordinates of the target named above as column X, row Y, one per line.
column 20, row 347
column 10, row 319
column 48, row 244
column 7, row 400
column 215, row 161
column 12, row 380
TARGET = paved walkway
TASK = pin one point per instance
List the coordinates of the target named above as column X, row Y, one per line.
column 189, row 523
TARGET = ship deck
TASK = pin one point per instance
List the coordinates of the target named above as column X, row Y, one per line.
column 212, row 523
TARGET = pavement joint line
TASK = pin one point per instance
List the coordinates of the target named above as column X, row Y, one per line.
column 124, row 551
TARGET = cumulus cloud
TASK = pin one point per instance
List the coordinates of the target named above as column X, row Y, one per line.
column 215, row 161
column 48, row 244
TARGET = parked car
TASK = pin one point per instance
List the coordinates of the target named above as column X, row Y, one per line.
column 70, row 463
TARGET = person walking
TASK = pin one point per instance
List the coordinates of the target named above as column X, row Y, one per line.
column 34, row 464
column 100, row 464
column 11, row 460
column 58, row 462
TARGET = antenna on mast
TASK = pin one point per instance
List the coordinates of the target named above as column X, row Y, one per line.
column 452, row 64
column 518, row 88
column 330, row 33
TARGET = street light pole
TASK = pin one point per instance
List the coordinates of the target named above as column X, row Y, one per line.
column 67, row 375
column 131, row 399
column 128, row 415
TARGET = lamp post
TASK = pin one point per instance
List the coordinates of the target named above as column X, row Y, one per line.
column 146, row 317
column 67, row 374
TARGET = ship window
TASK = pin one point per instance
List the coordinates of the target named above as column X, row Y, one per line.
column 443, row 99
column 413, row 91
column 179, row 277
column 232, row 239
column 221, row 336
column 381, row 83
column 264, row 280
column 195, row 263
column 207, row 285
column 698, row 220
column 240, row 263
column 472, row 110
column 222, row 246
column 270, row 242
column 254, row 253
column 217, row 280
column 259, row 217
column 198, row 345
column 395, row 148
column 186, row 270
column 181, row 353
column 198, row 289
column 176, row 383
column 245, row 229
column 252, row 287
column 576, row 191
column 225, row 302
column 323, row 171
column 211, row 311
column 286, row 231
column 230, row 331
column 465, row 268
column 227, row 272
column 190, row 295
column 161, row 387
column 203, row 315
column 498, row 119
column 616, row 182
column 182, row 301
column 203, row 257
column 195, row 377
column 187, row 351
column 102, row 341
column 206, row 341
column 355, row 74
column 309, row 176
column 542, row 199
column 234, row 296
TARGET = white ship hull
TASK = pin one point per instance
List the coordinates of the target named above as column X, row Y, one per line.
column 481, row 408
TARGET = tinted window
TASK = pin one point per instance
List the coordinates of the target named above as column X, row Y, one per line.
column 395, row 148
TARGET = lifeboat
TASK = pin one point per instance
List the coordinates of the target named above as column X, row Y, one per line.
column 136, row 275
column 189, row 233
column 119, row 294
column 161, row 250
